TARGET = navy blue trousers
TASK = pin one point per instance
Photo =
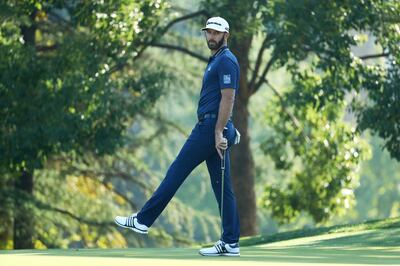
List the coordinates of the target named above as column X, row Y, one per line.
column 199, row 147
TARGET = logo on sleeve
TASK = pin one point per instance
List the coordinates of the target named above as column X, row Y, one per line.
column 227, row 79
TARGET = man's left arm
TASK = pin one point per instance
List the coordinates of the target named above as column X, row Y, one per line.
column 228, row 73
column 224, row 112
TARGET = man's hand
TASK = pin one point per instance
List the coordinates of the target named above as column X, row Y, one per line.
column 221, row 143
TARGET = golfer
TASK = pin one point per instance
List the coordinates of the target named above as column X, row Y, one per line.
column 209, row 141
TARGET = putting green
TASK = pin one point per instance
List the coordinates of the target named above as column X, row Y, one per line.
column 370, row 247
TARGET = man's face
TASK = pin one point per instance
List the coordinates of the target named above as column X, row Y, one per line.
column 214, row 38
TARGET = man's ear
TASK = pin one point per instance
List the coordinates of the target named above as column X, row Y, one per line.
column 226, row 36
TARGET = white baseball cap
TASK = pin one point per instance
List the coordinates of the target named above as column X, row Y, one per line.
column 218, row 24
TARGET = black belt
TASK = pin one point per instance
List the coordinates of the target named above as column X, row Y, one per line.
column 205, row 116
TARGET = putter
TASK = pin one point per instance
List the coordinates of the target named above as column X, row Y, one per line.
column 222, row 190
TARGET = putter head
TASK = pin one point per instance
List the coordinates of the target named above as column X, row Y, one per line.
column 237, row 137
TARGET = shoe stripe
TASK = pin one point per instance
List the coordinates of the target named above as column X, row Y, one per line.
column 224, row 250
column 130, row 223
column 142, row 230
column 133, row 224
column 221, row 248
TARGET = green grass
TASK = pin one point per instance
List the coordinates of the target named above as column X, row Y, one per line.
column 371, row 243
column 369, row 225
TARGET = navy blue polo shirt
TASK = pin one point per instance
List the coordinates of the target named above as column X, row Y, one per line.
column 222, row 72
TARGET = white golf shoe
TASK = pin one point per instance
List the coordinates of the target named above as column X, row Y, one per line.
column 132, row 223
column 221, row 249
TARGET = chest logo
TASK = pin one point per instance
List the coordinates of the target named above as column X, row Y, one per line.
column 227, row 79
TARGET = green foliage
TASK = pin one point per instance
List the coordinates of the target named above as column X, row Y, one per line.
column 314, row 41
column 324, row 165
column 327, row 152
column 95, row 189
column 64, row 82
column 327, row 30
column 70, row 85
column 381, row 113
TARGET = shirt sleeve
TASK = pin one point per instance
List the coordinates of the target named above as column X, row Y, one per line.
column 228, row 74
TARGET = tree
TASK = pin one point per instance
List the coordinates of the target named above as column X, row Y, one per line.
column 68, row 84
column 321, row 33
column 324, row 36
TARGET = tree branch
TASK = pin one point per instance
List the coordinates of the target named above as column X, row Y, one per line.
column 365, row 57
column 186, row 17
column 181, row 49
column 109, row 174
column 258, row 61
column 170, row 24
column 172, row 47
column 262, row 78
column 75, row 217
column 23, row 197
column 152, row 42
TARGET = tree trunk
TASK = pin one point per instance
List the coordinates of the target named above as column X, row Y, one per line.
column 243, row 173
column 242, row 159
column 23, row 216
column 6, row 207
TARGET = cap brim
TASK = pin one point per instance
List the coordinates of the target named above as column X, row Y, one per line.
column 214, row 27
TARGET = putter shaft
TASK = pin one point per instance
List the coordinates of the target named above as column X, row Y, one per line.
column 222, row 190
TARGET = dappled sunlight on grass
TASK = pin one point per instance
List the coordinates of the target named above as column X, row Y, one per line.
column 363, row 247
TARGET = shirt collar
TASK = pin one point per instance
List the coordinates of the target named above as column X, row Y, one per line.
column 220, row 50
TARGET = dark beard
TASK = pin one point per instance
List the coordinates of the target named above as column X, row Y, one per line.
column 215, row 46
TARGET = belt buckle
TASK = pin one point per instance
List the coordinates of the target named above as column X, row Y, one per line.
column 205, row 116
